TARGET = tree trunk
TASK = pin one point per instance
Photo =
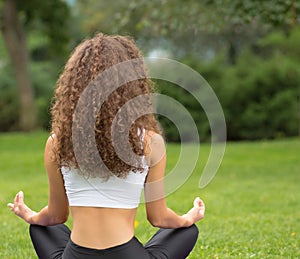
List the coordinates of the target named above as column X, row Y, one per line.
column 15, row 40
column 231, row 52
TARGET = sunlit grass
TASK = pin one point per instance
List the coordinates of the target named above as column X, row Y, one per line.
column 253, row 203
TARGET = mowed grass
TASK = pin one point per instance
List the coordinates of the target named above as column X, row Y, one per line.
column 252, row 204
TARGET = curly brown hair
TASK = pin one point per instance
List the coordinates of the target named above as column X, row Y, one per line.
column 88, row 62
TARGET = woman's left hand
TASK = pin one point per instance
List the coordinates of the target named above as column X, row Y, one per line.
column 21, row 209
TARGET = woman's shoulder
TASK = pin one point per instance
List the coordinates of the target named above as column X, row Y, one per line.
column 152, row 135
column 51, row 141
column 50, row 149
column 155, row 148
column 153, row 139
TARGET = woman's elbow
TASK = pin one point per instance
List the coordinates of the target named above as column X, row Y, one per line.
column 155, row 221
column 60, row 219
column 64, row 217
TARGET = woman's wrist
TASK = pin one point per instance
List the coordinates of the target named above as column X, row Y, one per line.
column 188, row 220
column 30, row 218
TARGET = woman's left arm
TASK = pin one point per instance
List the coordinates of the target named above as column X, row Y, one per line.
column 57, row 210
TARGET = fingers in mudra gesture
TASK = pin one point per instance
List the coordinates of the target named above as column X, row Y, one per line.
column 20, row 208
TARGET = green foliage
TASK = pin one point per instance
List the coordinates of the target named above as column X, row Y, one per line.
column 44, row 69
column 43, row 78
column 8, row 94
column 147, row 18
column 279, row 13
column 258, row 89
column 51, row 19
column 45, row 23
column 259, row 96
column 191, row 105
column 286, row 44
column 264, row 96
column 8, row 106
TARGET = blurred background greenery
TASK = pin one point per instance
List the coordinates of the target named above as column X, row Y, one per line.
column 247, row 50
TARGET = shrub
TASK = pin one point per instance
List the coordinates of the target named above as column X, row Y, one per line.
column 43, row 80
column 263, row 98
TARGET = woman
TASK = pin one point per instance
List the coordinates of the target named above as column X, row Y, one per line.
column 103, row 197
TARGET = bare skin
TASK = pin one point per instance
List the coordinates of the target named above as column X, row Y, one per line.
column 115, row 225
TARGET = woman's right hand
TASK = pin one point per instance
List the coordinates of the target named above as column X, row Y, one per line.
column 20, row 208
column 196, row 213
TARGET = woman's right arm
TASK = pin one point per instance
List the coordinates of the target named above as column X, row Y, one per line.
column 57, row 210
column 158, row 214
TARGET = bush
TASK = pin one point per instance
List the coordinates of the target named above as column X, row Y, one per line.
column 259, row 94
column 9, row 104
column 9, row 107
column 260, row 97
column 44, row 75
column 263, row 99
column 43, row 80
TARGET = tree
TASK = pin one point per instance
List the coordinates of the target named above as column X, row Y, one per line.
column 17, row 17
column 183, row 26
column 175, row 23
column 278, row 13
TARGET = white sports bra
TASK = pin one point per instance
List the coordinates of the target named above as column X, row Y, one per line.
column 94, row 192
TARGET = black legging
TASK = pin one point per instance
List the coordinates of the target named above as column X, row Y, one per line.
column 54, row 243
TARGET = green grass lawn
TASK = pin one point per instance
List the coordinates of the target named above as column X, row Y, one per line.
column 252, row 204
